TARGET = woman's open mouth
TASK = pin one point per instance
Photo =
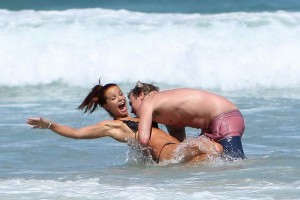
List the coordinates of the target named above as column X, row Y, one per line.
column 122, row 107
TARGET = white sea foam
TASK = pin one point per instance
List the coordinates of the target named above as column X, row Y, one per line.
column 101, row 189
column 223, row 51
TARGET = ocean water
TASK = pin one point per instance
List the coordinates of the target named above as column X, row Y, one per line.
column 53, row 52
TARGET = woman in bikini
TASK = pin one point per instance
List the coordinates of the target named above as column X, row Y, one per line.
column 123, row 128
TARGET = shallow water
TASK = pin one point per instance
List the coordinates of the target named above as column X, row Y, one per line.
column 38, row 164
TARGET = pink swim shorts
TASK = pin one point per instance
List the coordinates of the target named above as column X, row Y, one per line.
column 225, row 125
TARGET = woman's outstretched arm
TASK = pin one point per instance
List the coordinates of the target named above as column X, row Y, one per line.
column 111, row 128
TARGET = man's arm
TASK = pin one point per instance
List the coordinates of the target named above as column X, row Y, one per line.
column 145, row 124
column 177, row 132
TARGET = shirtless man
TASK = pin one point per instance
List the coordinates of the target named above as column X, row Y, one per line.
column 217, row 117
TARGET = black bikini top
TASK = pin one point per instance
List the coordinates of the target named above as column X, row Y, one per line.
column 134, row 125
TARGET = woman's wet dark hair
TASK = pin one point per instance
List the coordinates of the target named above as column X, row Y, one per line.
column 95, row 98
column 141, row 87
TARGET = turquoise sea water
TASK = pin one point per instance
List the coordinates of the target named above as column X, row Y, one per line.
column 53, row 52
column 157, row 6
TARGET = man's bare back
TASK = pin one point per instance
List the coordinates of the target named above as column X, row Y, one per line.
column 185, row 107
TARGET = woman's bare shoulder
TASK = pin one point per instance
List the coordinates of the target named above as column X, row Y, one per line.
column 110, row 123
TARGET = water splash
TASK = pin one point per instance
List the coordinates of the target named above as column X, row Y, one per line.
column 197, row 150
column 138, row 154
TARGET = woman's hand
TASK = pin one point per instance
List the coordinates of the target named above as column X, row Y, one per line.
column 39, row 123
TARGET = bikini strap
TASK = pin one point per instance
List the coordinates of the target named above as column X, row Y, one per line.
column 157, row 159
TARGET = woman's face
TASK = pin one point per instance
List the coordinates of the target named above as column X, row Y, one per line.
column 116, row 102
